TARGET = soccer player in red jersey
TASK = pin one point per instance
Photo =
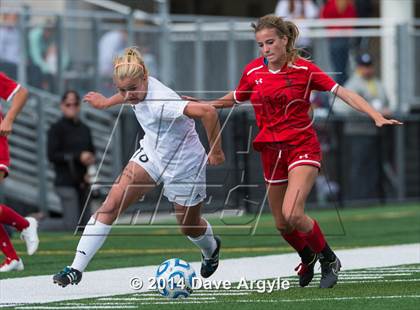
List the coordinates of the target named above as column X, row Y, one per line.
column 11, row 91
column 279, row 84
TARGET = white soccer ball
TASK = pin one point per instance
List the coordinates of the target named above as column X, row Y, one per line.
column 174, row 278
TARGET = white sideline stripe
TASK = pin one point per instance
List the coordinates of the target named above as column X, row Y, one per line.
column 193, row 296
column 327, row 299
column 78, row 307
column 40, row 289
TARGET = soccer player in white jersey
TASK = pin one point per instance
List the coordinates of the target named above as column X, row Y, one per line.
column 170, row 153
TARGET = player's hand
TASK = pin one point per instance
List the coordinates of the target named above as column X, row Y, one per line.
column 87, row 158
column 5, row 127
column 96, row 100
column 216, row 157
column 382, row 121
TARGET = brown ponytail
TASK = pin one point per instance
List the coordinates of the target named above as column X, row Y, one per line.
column 283, row 28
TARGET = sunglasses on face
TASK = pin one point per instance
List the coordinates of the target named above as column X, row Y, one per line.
column 69, row 105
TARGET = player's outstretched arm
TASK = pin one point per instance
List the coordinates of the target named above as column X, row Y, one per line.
column 18, row 102
column 208, row 115
column 358, row 103
column 227, row 101
column 99, row 101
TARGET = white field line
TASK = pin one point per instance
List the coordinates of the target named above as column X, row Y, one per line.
column 327, row 299
column 40, row 289
column 72, row 307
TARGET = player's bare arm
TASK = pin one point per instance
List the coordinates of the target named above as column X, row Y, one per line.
column 358, row 103
column 18, row 102
column 208, row 116
column 227, row 101
column 99, row 101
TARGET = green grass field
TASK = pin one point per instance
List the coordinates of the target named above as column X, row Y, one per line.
column 345, row 228
column 145, row 245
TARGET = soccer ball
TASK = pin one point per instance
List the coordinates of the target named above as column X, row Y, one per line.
column 174, row 278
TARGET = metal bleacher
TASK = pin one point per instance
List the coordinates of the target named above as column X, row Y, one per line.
column 31, row 175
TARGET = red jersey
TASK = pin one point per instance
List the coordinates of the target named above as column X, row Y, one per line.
column 8, row 87
column 281, row 99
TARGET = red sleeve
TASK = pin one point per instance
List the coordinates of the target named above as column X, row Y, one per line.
column 8, row 87
column 243, row 90
column 319, row 80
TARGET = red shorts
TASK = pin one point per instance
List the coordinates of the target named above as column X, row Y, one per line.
column 4, row 155
column 279, row 158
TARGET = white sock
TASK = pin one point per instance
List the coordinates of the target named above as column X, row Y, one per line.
column 91, row 241
column 206, row 242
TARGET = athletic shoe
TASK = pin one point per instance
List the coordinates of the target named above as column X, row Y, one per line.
column 306, row 271
column 209, row 265
column 329, row 272
column 67, row 276
column 30, row 236
column 11, row 265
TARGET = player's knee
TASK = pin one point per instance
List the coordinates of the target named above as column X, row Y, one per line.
column 187, row 230
column 191, row 229
column 294, row 219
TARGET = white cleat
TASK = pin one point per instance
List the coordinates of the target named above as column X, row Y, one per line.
column 30, row 236
column 11, row 265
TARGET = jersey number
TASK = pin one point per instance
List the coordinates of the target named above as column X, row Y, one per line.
column 142, row 157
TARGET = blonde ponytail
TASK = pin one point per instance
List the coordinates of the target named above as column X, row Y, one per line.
column 130, row 65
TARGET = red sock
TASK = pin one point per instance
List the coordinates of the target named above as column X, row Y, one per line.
column 315, row 238
column 295, row 240
column 10, row 217
column 5, row 245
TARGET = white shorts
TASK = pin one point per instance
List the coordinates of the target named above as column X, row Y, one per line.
column 185, row 189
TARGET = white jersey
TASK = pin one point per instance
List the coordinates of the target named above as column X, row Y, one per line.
column 170, row 141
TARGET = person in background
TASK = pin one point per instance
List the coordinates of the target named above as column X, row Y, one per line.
column 71, row 151
column 298, row 10
column 110, row 45
column 339, row 46
column 44, row 55
column 9, row 45
column 361, row 136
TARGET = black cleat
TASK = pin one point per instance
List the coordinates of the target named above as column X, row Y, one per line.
column 329, row 272
column 67, row 276
column 306, row 271
column 209, row 265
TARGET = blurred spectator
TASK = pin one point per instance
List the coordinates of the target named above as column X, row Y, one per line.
column 363, row 146
column 10, row 45
column 364, row 8
column 71, row 150
column 111, row 44
column 339, row 46
column 44, row 56
column 295, row 10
